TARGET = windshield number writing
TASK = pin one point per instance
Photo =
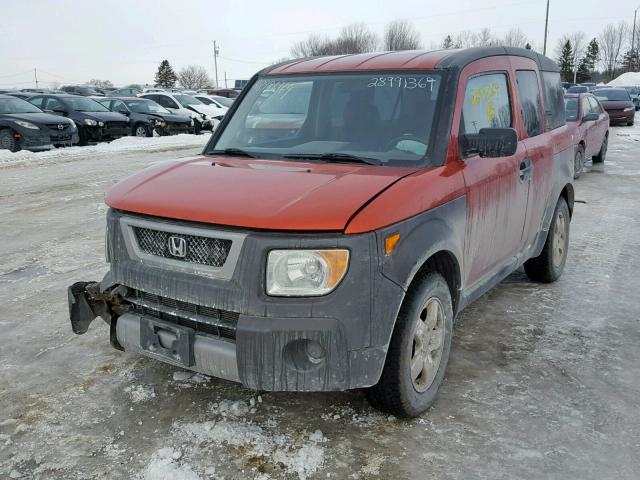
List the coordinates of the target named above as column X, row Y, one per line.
column 402, row 82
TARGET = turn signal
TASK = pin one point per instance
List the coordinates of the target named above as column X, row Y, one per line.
column 390, row 243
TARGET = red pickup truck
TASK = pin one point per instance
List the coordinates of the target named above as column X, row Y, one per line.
column 341, row 216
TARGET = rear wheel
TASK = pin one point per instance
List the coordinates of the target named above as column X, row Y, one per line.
column 599, row 158
column 548, row 266
column 8, row 141
column 418, row 352
column 578, row 162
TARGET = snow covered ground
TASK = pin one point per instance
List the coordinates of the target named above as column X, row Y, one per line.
column 542, row 383
column 120, row 146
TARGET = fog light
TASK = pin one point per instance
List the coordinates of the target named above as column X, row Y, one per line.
column 304, row 354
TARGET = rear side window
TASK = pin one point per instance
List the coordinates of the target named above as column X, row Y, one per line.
column 486, row 103
column 553, row 99
column 595, row 106
column 529, row 101
column 37, row 101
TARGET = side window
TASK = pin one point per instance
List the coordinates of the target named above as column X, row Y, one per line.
column 486, row 103
column 553, row 99
column 54, row 104
column 166, row 102
column 586, row 106
column 117, row 106
column 37, row 101
column 595, row 106
column 529, row 101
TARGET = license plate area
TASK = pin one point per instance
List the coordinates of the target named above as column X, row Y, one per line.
column 167, row 340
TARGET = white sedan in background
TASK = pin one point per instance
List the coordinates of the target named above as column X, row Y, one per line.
column 205, row 117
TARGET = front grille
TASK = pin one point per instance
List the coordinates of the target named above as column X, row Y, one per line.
column 201, row 250
column 54, row 126
column 213, row 321
column 116, row 124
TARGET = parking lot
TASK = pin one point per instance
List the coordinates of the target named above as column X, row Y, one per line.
column 543, row 379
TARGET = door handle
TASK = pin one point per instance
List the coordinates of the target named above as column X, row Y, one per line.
column 525, row 172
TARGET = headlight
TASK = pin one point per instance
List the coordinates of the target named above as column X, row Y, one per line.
column 90, row 122
column 101, row 124
column 29, row 125
column 628, row 109
column 305, row 273
column 159, row 123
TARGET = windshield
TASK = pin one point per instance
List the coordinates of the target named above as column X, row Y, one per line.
column 388, row 118
column 17, row 105
column 142, row 106
column 186, row 100
column 571, row 109
column 224, row 101
column 612, row 94
column 81, row 104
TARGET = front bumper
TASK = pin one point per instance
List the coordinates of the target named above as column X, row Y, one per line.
column 41, row 140
column 335, row 342
column 97, row 134
column 174, row 128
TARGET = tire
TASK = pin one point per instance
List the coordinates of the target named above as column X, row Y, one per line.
column 83, row 139
column 578, row 162
column 630, row 123
column 599, row 158
column 548, row 266
column 399, row 392
column 197, row 126
column 141, row 130
column 8, row 141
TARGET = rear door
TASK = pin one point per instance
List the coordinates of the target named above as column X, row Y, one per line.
column 602, row 124
column 496, row 196
column 538, row 143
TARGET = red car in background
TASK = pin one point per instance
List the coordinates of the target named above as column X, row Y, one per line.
column 618, row 104
column 590, row 124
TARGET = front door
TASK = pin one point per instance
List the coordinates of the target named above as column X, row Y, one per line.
column 496, row 193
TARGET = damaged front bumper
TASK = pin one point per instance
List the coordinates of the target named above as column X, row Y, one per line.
column 223, row 324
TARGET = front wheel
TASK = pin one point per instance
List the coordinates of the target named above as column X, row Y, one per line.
column 578, row 162
column 548, row 266
column 419, row 350
column 8, row 141
column 142, row 130
column 603, row 150
column 197, row 126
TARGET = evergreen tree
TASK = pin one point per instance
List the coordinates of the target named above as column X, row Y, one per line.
column 630, row 61
column 592, row 55
column 447, row 42
column 566, row 62
column 583, row 74
column 165, row 76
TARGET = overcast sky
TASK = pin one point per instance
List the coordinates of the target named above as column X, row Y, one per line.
column 72, row 41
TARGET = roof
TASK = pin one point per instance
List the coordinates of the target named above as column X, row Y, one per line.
column 405, row 60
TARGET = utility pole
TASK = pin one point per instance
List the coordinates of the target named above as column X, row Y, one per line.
column 546, row 30
column 35, row 75
column 225, row 80
column 633, row 38
column 216, row 51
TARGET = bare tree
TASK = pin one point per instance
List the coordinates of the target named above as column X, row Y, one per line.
column 94, row 82
column 611, row 41
column 400, row 35
column 193, row 77
column 485, row 38
column 355, row 38
column 514, row 38
column 464, row 39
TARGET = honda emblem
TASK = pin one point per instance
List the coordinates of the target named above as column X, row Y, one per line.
column 177, row 246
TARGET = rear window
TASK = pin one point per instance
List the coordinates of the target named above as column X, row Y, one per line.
column 577, row 89
column 571, row 108
column 553, row 99
column 611, row 94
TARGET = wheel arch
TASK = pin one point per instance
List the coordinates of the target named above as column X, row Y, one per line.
column 568, row 194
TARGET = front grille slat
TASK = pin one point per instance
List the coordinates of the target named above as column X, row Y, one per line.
column 220, row 323
column 201, row 250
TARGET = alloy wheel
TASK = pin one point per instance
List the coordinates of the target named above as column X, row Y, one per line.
column 428, row 343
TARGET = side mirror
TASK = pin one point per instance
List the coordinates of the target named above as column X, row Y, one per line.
column 124, row 112
column 590, row 117
column 490, row 142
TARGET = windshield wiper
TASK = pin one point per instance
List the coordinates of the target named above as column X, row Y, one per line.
column 233, row 152
column 335, row 157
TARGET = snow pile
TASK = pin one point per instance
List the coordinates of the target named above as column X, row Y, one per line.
column 140, row 393
column 628, row 79
column 164, row 465
column 122, row 145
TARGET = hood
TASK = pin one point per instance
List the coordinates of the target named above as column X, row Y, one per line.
column 106, row 116
column 174, row 118
column 37, row 118
column 252, row 193
column 616, row 104
column 209, row 110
